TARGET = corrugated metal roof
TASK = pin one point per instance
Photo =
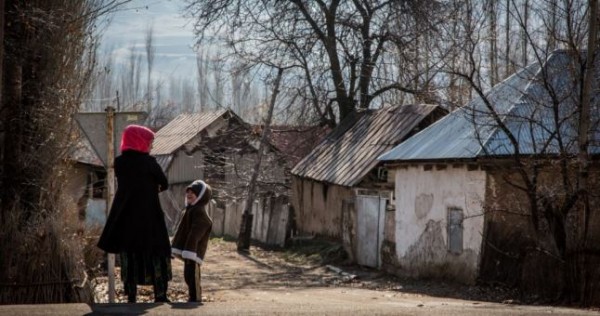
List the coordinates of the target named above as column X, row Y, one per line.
column 164, row 161
column 350, row 151
column 524, row 105
column 181, row 130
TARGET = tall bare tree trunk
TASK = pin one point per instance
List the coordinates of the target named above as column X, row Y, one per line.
column 218, row 95
column 524, row 33
column 202, row 77
column 507, row 70
column 492, row 38
column 583, row 139
column 150, row 50
column 552, row 28
column 243, row 242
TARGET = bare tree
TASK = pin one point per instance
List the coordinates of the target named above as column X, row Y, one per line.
column 187, row 95
column 103, row 85
column 129, row 77
column 240, row 87
column 217, row 94
column 243, row 243
column 507, row 45
column 48, row 65
column 547, row 131
column 202, row 68
column 492, row 38
column 341, row 41
column 584, row 131
column 150, row 50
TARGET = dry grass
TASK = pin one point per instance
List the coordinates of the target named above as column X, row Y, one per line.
column 42, row 262
column 315, row 252
column 41, row 254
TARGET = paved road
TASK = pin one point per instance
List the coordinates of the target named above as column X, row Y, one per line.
column 311, row 301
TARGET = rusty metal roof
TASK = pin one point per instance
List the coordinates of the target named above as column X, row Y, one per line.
column 524, row 104
column 181, row 130
column 350, row 151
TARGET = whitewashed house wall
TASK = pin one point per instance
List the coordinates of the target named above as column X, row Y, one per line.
column 423, row 199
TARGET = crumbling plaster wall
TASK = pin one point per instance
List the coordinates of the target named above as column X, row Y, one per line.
column 318, row 207
column 423, row 196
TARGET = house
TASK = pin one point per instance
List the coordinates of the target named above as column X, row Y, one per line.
column 219, row 147
column 461, row 211
column 340, row 191
column 85, row 184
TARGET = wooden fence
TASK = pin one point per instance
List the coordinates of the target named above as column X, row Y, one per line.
column 270, row 225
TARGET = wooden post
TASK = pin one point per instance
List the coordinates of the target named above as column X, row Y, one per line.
column 110, row 192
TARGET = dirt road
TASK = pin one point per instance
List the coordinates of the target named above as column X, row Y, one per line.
column 226, row 271
column 282, row 283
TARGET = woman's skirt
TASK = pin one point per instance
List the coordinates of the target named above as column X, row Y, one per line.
column 145, row 269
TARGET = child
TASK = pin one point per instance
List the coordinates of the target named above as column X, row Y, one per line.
column 191, row 238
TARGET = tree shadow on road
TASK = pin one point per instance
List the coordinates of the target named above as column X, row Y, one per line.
column 321, row 254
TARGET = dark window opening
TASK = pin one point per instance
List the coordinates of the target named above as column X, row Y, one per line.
column 97, row 180
column 455, row 230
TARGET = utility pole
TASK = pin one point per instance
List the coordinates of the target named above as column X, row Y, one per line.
column 243, row 242
column 110, row 188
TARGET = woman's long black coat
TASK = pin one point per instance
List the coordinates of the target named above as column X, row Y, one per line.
column 136, row 221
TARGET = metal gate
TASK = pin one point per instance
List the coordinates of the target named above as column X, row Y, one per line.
column 370, row 211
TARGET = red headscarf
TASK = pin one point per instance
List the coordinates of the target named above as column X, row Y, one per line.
column 136, row 137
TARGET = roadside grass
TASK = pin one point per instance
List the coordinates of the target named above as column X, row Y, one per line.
column 312, row 251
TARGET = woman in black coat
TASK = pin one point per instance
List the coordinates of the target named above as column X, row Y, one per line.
column 135, row 227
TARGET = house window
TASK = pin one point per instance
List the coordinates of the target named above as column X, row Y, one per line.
column 455, row 230
column 96, row 180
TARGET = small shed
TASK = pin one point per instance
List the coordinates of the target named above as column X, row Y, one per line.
column 340, row 190
column 221, row 148
column 85, row 184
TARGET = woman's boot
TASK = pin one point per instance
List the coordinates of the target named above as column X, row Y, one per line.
column 131, row 291
column 160, row 292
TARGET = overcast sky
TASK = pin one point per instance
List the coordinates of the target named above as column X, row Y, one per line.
column 173, row 36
